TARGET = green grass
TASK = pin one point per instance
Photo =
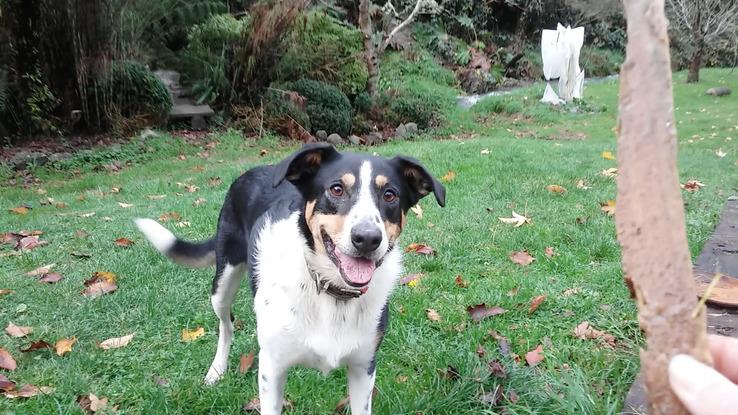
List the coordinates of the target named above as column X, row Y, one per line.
column 527, row 151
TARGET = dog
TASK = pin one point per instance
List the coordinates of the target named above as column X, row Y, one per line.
column 317, row 233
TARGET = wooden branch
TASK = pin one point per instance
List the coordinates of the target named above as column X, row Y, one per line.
column 650, row 217
column 399, row 27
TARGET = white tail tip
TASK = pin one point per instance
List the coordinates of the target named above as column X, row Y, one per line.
column 159, row 236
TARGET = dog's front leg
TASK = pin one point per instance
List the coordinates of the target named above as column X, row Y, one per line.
column 361, row 386
column 272, row 377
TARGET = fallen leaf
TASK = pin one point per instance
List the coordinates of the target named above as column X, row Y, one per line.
column 37, row 345
column 512, row 396
column 480, row 311
column 30, row 242
column 611, row 172
column 115, row 190
column 215, row 181
column 263, row 152
column 245, row 362
column 459, row 281
column 87, row 215
column 6, row 384
column 607, row 155
column 549, row 251
column 448, row 177
column 534, row 356
column 6, row 360
column 608, row 207
column 170, row 216
column 40, row 271
column 581, row 185
column 516, row 219
column 720, row 153
column 28, row 391
column 51, row 278
column 21, row 210
column 585, row 330
column 64, row 346
column 497, row 369
column 116, row 342
column 521, row 258
column 513, row 292
column 101, row 276
column 98, row 288
column 81, row 234
column 450, row 373
column 191, row 188
column 125, row 205
column 535, row 303
column 406, row 280
column 5, row 291
column 418, row 211
column 182, row 157
column 692, row 185
column 91, row 403
column 198, row 202
column 17, row 331
column 184, row 224
column 190, row 335
column 432, row 314
column 492, row 397
column 422, row 249
column 571, row 291
column 124, row 242
column 480, row 351
column 555, row 188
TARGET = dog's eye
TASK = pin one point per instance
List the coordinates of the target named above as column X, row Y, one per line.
column 336, row 190
column 390, row 196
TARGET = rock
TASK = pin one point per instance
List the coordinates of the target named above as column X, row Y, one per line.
column 373, row 138
column 355, row 140
column 26, row 158
column 335, row 139
column 54, row 157
column 412, row 128
column 401, row 131
column 720, row 91
column 321, row 135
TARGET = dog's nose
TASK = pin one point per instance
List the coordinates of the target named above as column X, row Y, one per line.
column 366, row 237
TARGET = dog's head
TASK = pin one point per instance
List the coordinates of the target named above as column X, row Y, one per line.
column 355, row 206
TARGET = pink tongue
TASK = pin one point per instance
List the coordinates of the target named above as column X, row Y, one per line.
column 357, row 270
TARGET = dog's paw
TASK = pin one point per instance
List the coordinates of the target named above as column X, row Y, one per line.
column 213, row 376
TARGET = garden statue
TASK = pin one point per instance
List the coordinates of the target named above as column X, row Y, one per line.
column 560, row 52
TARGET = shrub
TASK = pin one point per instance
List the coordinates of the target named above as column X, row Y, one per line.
column 398, row 69
column 128, row 90
column 422, row 102
column 600, row 62
column 327, row 107
column 498, row 105
column 279, row 109
column 363, row 103
column 324, row 49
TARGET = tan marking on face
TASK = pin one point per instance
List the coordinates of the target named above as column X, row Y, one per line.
column 403, row 220
column 348, row 180
column 333, row 225
column 309, row 209
column 381, row 180
column 393, row 230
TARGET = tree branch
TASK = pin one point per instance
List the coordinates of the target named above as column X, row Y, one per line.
column 399, row 27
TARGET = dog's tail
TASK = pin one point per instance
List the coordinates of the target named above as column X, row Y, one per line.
column 197, row 254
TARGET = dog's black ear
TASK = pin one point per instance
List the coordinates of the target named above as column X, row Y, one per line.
column 303, row 163
column 419, row 180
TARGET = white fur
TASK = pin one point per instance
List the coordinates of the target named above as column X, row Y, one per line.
column 159, row 236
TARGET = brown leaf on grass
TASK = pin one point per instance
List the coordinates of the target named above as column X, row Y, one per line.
column 608, row 207
column 51, row 278
column 255, row 406
column 156, row 197
column 521, row 258
column 91, row 403
column 21, row 210
column 40, row 271
column 191, row 335
column 422, row 249
column 585, row 331
column 125, row 205
column 116, row 342
column 81, row 234
column 98, row 288
column 191, row 188
column 492, row 397
column 124, row 242
column 30, row 242
column 513, row 292
column 411, row 280
column 215, row 181
column 6, row 360
column 459, row 281
column 37, row 345
column 17, row 331
column 245, row 362
column 582, row 185
column 549, row 251
column 480, row 351
column 480, row 311
column 692, row 185
column 572, row 291
column 512, row 396
column 6, row 384
column 28, row 391
column 263, row 152
column 450, row 373
column 534, row 356
column 449, row 176
column 432, row 314
column 198, row 202
column 535, row 303
column 555, row 188
column 101, row 276
column 496, row 368
column 170, row 216
column 64, row 346
column 5, row 291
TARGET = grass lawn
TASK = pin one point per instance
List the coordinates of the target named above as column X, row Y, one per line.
column 527, row 151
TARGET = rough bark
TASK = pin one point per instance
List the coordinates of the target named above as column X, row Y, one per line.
column 370, row 51
column 650, row 218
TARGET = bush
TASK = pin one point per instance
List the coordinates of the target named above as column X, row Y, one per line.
column 600, row 62
column 324, row 49
column 279, row 109
column 204, row 61
column 498, row 105
column 327, row 107
column 422, row 102
column 129, row 90
column 418, row 66
column 363, row 103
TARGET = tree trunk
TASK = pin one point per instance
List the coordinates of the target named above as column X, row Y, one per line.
column 655, row 254
column 370, row 50
column 695, row 63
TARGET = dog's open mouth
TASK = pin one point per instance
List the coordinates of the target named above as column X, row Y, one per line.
column 355, row 271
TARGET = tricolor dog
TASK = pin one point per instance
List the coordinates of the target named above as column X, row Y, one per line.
column 317, row 234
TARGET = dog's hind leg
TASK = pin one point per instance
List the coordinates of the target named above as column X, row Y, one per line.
column 227, row 280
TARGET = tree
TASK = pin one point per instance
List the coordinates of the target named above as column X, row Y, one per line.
column 701, row 24
column 373, row 51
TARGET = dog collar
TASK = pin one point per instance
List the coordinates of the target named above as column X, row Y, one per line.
column 339, row 293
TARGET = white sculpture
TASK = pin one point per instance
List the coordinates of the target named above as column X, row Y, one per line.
column 560, row 52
